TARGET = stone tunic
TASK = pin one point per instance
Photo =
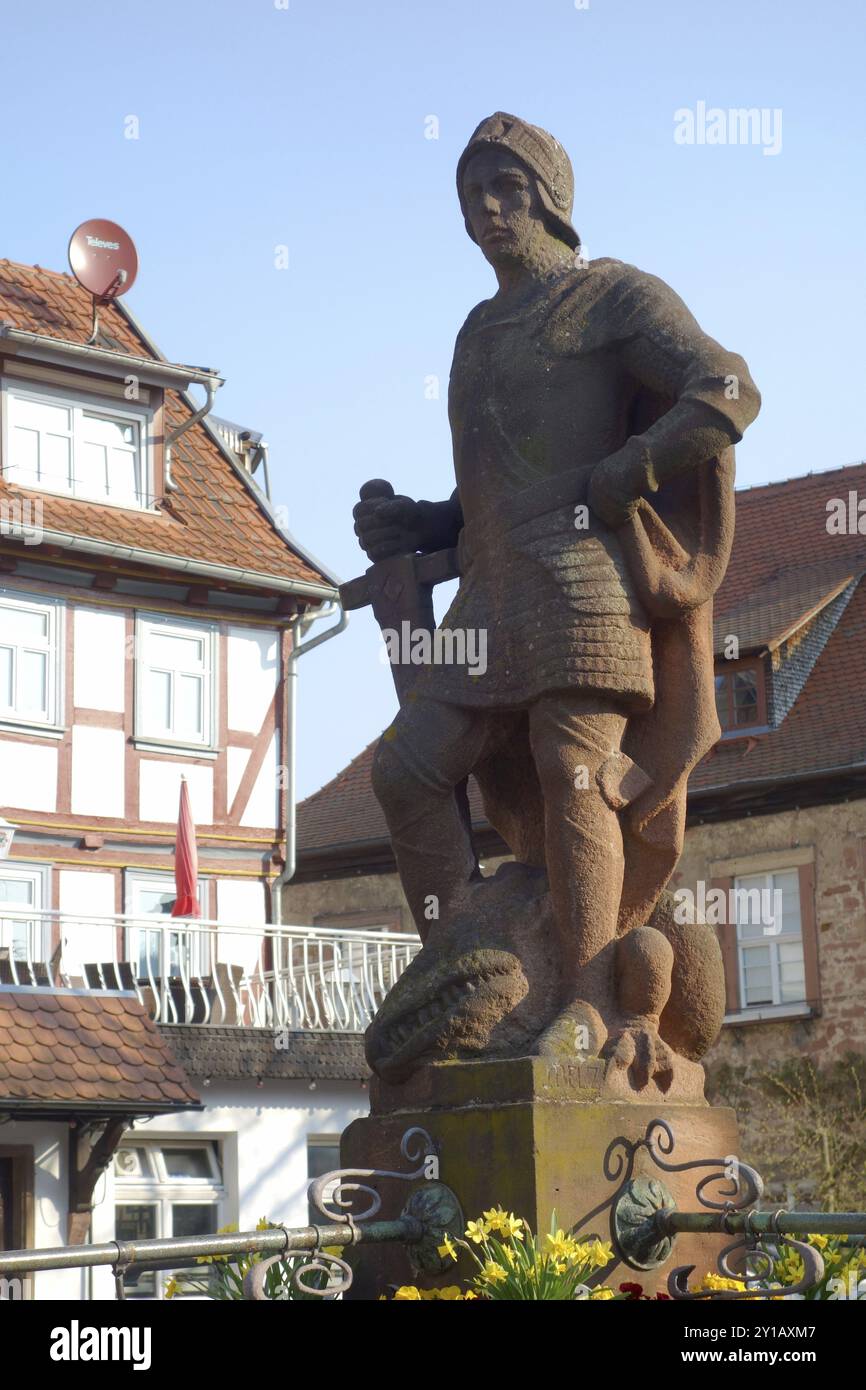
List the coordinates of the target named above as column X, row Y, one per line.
column 537, row 398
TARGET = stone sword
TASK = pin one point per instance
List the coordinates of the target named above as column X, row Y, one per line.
column 399, row 589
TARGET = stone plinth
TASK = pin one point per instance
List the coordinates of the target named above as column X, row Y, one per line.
column 529, row 1134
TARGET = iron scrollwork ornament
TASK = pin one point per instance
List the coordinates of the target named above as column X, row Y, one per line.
column 431, row 1212
column 334, row 1189
column 645, row 1240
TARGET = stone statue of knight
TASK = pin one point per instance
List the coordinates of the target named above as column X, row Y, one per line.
column 593, row 425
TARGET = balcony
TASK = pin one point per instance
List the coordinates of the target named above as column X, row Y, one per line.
column 301, row 979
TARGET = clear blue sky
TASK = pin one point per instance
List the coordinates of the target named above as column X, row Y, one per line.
column 305, row 127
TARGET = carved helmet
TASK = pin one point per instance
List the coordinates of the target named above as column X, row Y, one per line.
column 543, row 156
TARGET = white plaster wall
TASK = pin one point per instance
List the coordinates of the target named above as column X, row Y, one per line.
column 90, row 894
column 236, row 761
column 49, row 1141
column 28, row 776
column 99, row 660
column 261, row 809
column 97, row 771
column 240, row 901
column 253, row 671
column 263, row 1131
column 159, row 791
column 243, row 904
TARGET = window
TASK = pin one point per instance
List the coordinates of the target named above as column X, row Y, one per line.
column 170, row 1188
column 175, row 681
column 163, row 953
column 740, row 702
column 29, row 659
column 58, row 444
column 23, row 939
column 323, row 1156
column 769, row 942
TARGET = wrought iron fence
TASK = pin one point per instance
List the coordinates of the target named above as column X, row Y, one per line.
column 208, row 972
column 644, row 1224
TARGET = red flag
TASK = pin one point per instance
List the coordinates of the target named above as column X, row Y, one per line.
column 186, row 903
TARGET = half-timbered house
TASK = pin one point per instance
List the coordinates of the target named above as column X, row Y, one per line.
column 151, row 611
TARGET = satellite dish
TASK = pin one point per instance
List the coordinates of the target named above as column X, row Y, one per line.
column 103, row 259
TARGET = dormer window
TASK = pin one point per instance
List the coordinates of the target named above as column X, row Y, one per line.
column 94, row 449
column 740, row 699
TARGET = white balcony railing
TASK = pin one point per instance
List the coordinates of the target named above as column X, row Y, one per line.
column 188, row 971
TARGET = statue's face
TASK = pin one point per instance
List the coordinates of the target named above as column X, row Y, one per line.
column 502, row 207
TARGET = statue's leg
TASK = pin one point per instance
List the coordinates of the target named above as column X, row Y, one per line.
column 586, row 781
column 573, row 735
column 418, row 769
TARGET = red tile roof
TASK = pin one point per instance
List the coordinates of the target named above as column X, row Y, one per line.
column 214, row 516
column 60, row 1049
column 763, row 619
column 784, row 566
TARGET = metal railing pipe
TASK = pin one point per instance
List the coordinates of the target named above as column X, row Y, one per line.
column 166, row 1252
column 778, row 1223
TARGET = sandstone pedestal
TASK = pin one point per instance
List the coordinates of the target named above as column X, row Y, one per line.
column 530, row 1135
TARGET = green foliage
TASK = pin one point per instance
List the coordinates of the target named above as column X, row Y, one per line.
column 844, row 1269
column 224, row 1279
column 803, row 1126
column 516, row 1266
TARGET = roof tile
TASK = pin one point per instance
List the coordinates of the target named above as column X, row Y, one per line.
column 214, row 516
column 124, row 1059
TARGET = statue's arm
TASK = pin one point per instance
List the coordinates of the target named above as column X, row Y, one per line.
column 386, row 524
column 663, row 348
column 439, row 523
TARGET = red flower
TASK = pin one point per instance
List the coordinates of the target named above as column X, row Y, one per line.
column 634, row 1291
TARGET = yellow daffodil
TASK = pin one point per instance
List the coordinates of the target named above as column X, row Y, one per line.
column 447, row 1248
column 512, row 1226
column 599, row 1295
column 600, row 1252
column 171, row 1287
column 711, row 1282
column 819, row 1242
column 407, row 1293
column 477, row 1231
column 494, row 1218
column 557, row 1244
column 451, row 1294
column 790, row 1269
column 493, row 1273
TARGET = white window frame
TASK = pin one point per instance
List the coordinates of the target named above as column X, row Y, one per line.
column 164, row 1193
column 773, row 942
column 82, row 403
column 145, row 624
column 55, row 610
column 199, row 962
column 321, row 1141
column 38, row 876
